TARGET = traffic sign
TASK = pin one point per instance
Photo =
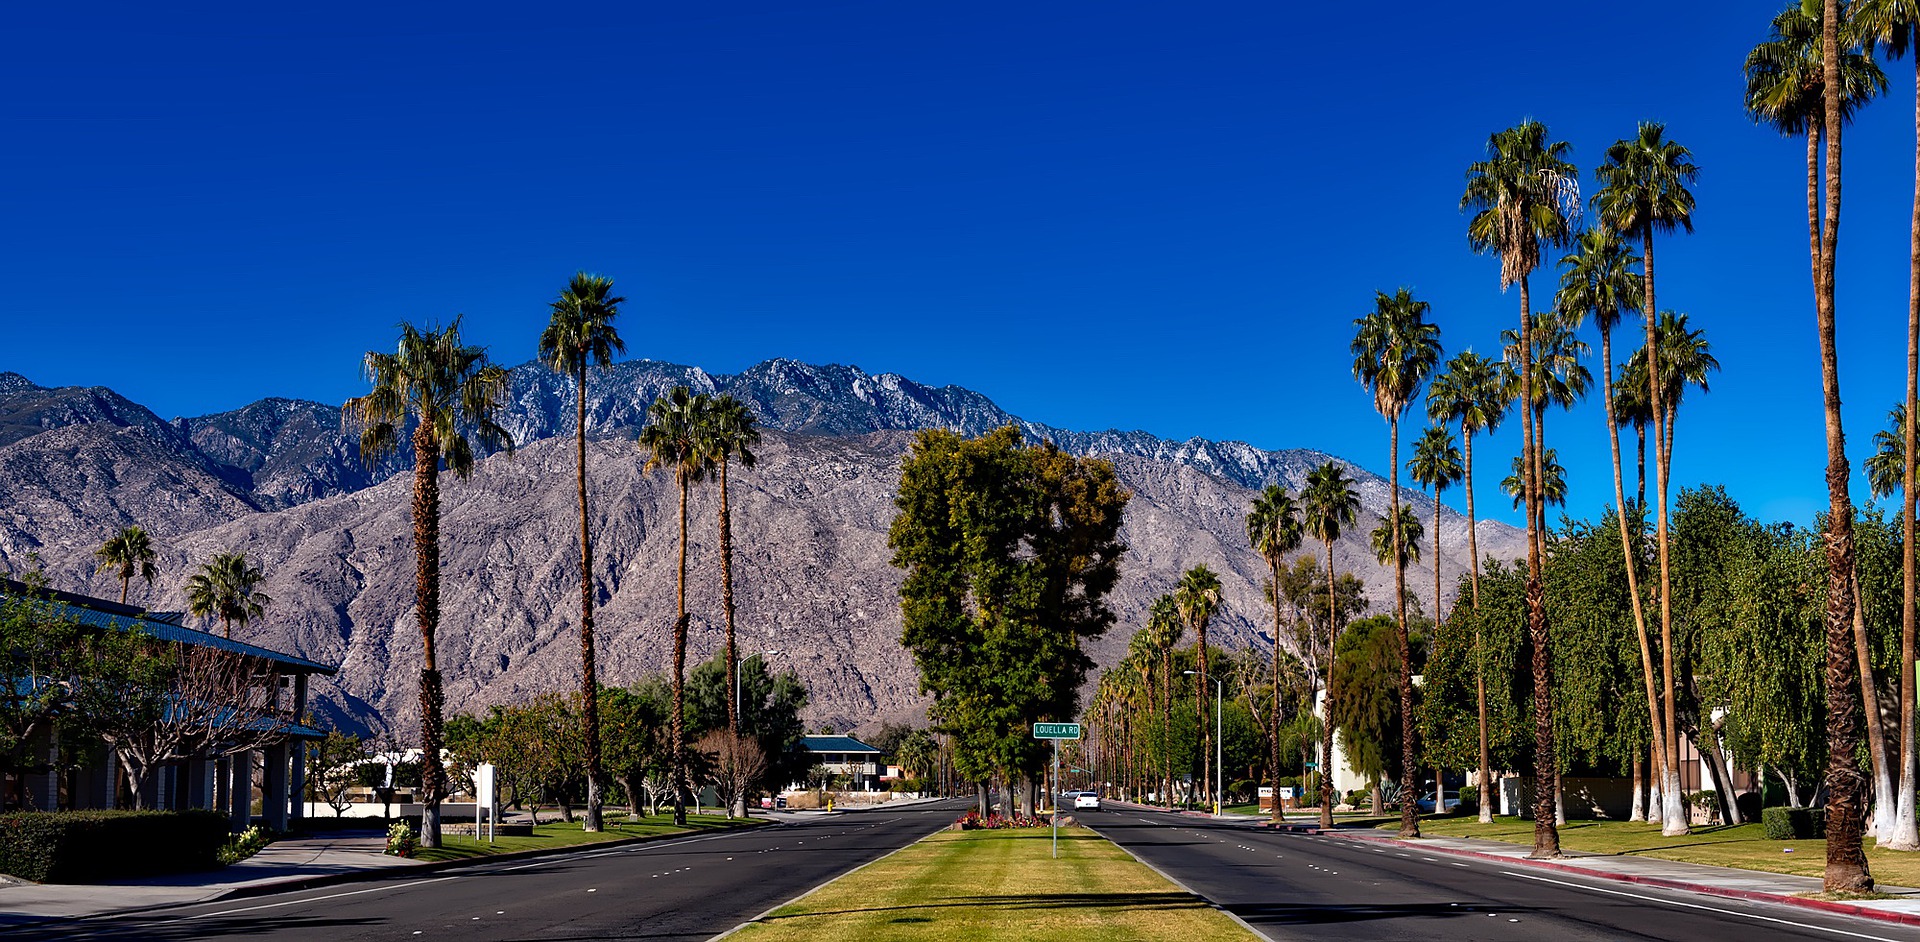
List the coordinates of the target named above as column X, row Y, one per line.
column 1056, row 730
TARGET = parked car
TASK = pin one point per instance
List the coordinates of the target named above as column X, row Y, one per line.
column 1088, row 800
column 1450, row 798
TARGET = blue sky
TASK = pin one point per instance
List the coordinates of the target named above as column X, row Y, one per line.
column 1099, row 214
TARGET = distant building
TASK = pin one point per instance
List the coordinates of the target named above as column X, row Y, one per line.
column 846, row 756
column 227, row 784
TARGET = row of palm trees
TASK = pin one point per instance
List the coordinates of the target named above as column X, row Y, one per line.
column 226, row 587
column 447, row 396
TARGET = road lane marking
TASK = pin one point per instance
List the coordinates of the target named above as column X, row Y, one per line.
column 1711, row 909
column 310, row 899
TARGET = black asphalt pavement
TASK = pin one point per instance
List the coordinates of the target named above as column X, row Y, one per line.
column 684, row 889
column 1300, row 886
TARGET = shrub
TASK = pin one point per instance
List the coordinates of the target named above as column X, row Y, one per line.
column 1706, row 800
column 245, row 844
column 1358, row 797
column 1794, row 824
column 1749, row 805
column 908, row 785
column 402, row 841
column 89, row 846
column 972, row 821
column 1469, row 800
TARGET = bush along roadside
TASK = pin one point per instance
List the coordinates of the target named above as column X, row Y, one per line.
column 246, row 844
column 91, row 846
column 1794, row 824
column 401, row 840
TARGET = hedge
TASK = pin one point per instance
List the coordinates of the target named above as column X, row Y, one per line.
column 1794, row 824
column 90, row 846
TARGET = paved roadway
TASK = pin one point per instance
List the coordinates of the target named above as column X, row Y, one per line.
column 690, row 888
column 1298, row 886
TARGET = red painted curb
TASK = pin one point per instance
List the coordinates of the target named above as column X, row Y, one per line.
column 1846, row 909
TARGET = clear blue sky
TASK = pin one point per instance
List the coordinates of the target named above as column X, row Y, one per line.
column 1101, row 214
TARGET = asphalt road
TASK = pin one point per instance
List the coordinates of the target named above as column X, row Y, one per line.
column 1298, row 886
column 692, row 888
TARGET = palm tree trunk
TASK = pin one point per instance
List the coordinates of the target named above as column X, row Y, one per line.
column 1326, row 719
column 1409, row 775
column 1640, row 464
column 1885, row 805
column 126, row 577
column 681, row 784
column 1273, row 766
column 1905, row 833
column 1846, row 869
column 726, row 597
column 426, row 557
column 1200, row 710
column 1631, row 559
column 1546, row 837
column 1166, row 722
column 589, row 680
column 1673, row 816
column 1638, row 809
column 1479, row 655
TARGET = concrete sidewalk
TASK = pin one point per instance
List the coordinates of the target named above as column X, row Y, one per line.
column 1757, row 885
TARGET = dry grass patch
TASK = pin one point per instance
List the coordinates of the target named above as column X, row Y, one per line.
column 990, row 885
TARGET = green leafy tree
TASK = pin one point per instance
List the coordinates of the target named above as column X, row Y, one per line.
column 452, row 396
column 227, row 588
column 677, row 436
column 128, row 553
column 579, row 334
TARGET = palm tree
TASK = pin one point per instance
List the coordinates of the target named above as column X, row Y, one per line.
column 1524, row 195
column 1165, row 628
column 128, row 552
column 1552, row 478
column 1382, row 541
column 1329, row 504
column 1782, row 91
column 1598, row 279
column 1273, row 529
column 1886, row 468
column 580, row 332
column 1894, row 25
column 733, row 433
column 1472, row 391
column 1435, row 465
column 451, row 394
column 1143, row 654
column 1394, row 351
column 679, row 426
column 1559, row 378
column 227, row 588
column 1197, row 598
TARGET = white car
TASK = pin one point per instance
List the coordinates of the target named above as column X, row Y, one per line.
column 1090, row 800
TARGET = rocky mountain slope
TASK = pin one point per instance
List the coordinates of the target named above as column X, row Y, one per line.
column 281, row 480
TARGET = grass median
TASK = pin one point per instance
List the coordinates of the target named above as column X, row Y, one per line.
column 1004, row 884
column 564, row 834
column 1744, row 846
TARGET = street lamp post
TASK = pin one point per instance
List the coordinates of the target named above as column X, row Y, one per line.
column 1219, row 748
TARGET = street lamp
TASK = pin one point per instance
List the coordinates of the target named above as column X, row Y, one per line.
column 737, row 661
column 1219, row 748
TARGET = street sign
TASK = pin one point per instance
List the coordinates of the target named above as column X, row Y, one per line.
column 1056, row 730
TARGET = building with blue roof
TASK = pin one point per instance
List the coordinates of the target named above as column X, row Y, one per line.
column 846, row 756
column 228, row 783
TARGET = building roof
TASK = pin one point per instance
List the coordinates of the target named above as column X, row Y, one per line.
column 835, row 744
column 104, row 613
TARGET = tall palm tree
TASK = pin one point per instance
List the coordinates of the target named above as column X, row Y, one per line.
column 227, row 587
column 734, row 432
column 679, row 426
column 1435, row 465
column 1198, row 597
column 1559, row 378
column 1471, row 391
column 1382, row 541
column 1551, row 476
column 580, row 333
column 1643, row 190
column 1598, row 279
column 1143, row 654
column 1164, row 626
column 452, row 396
column 1886, row 468
column 1273, row 529
column 1328, row 504
column 1394, row 350
column 128, row 552
column 1524, row 195
column 1894, row 25
column 1806, row 79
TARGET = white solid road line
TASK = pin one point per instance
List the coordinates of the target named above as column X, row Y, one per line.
column 1711, row 909
column 310, row 899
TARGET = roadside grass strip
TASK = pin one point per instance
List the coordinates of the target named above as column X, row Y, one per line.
column 1743, row 846
column 1000, row 884
column 564, row 834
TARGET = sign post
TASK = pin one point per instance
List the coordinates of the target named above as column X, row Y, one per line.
column 1056, row 732
column 483, row 798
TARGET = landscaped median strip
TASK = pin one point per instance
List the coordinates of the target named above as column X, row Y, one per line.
column 998, row 884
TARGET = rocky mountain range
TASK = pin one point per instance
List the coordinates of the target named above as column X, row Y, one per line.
column 281, row 480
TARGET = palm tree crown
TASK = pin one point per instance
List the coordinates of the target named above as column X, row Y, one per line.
column 1381, row 539
column 1522, row 196
column 1887, row 467
column 1435, row 464
column 227, row 588
column 1472, row 390
column 678, row 433
column 128, row 553
column 1786, row 78
column 1273, row 525
column 1643, row 183
column 1329, row 503
column 1394, row 350
column 580, row 331
column 1597, row 278
column 445, row 385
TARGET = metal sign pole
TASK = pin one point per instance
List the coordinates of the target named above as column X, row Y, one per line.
column 1056, row 799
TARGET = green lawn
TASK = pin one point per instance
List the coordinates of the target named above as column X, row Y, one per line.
column 562, row 834
column 1745, row 846
column 993, row 885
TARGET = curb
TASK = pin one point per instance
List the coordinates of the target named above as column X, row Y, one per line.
column 296, row 884
column 1708, row 889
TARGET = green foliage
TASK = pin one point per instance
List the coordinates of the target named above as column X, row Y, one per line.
column 1009, row 554
column 402, row 840
column 245, row 844
column 1794, row 824
column 1469, row 800
column 90, row 846
column 770, row 706
column 1366, row 671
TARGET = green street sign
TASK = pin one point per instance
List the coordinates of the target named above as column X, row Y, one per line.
column 1056, row 730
